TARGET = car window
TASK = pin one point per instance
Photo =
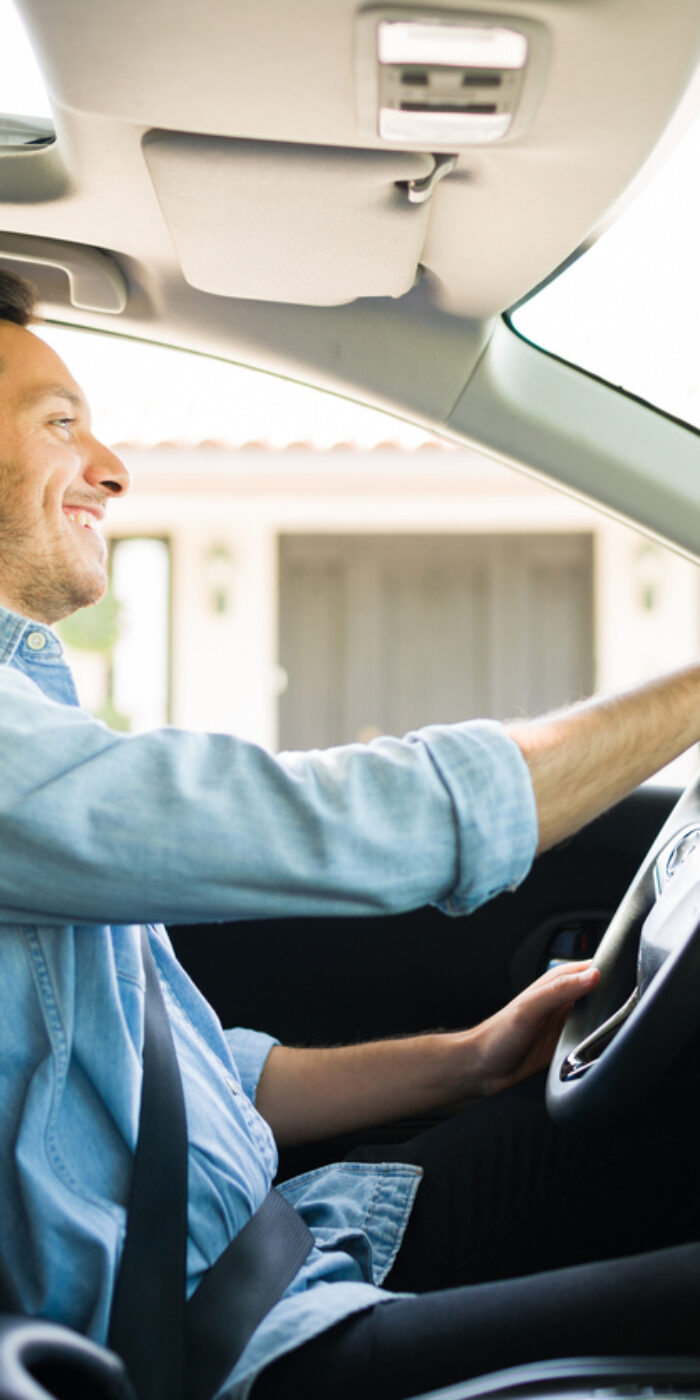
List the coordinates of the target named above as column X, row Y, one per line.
column 150, row 393
column 628, row 310
column 304, row 571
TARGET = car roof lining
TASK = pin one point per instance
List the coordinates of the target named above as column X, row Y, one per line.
column 241, row 73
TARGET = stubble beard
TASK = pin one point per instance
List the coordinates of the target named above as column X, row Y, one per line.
column 46, row 582
column 60, row 590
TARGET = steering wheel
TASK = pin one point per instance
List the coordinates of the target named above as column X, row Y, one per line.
column 619, row 1040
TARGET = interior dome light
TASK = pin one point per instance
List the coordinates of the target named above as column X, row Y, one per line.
column 461, row 46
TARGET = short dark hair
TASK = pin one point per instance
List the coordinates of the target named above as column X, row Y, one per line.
column 18, row 299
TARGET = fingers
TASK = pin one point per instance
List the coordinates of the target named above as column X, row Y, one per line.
column 563, row 969
column 567, row 982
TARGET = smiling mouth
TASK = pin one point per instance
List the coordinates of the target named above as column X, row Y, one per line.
column 81, row 517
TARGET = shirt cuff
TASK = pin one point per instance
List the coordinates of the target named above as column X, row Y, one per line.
column 250, row 1050
column 490, row 787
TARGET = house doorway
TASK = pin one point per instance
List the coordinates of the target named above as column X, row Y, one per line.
column 382, row 634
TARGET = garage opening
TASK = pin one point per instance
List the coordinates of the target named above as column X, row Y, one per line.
column 380, row 634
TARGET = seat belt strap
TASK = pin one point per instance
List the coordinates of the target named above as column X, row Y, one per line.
column 172, row 1349
column 240, row 1289
column 9, row 1301
column 147, row 1325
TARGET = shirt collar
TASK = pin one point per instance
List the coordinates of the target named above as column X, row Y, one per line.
column 17, row 631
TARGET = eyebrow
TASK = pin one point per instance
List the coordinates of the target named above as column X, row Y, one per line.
column 52, row 391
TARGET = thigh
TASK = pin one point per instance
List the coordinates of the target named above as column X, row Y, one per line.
column 506, row 1193
column 645, row 1305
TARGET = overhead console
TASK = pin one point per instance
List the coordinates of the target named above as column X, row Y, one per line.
column 319, row 153
column 321, row 225
column 448, row 80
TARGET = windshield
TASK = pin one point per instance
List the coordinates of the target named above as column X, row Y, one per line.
column 628, row 310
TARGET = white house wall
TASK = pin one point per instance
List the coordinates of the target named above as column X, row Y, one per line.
column 224, row 665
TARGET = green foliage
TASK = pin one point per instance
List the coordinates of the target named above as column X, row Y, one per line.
column 114, row 718
column 95, row 628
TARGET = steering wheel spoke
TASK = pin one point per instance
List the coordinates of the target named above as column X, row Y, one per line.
column 620, row 1040
column 585, row 1055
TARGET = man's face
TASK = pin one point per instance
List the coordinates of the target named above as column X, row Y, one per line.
column 55, row 480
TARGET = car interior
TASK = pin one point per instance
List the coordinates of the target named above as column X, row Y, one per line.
column 356, row 197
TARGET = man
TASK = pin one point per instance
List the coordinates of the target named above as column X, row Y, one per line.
column 98, row 827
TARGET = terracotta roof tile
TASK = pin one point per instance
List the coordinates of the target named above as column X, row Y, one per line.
column 218, row 445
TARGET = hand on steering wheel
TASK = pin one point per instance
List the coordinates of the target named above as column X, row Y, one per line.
column 619, row 1040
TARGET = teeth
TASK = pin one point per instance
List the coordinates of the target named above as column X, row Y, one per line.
column 82, row 517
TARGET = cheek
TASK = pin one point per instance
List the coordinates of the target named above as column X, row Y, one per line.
column 60, row 471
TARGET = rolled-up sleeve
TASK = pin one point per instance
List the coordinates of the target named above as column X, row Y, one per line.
column 250, row 1050
column 495, row 814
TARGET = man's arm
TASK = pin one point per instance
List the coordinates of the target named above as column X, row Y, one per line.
column 308, row 1094
column 580, row 762
column 218, row 829
column 583, row 760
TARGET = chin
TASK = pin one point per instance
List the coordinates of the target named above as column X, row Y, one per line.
column 92, row 591
column 68, row 594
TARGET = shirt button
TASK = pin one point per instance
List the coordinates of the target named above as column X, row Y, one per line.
column 232, row 1083
column 36, row 641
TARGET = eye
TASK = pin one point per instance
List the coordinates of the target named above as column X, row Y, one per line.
column 64, row 423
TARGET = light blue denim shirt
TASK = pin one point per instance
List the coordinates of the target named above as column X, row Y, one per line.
column 171, row 826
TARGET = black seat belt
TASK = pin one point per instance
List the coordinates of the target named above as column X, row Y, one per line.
column 9, row 1302
column 147, row 1326
column 238, row 1291
column 173, row 1349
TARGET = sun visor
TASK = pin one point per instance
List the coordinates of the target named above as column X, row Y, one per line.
column 290, row 223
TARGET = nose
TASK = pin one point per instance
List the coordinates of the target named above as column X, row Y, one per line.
column 103, row 468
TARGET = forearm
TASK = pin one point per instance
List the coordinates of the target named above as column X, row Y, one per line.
column 308, row 1094
column 583, row 760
